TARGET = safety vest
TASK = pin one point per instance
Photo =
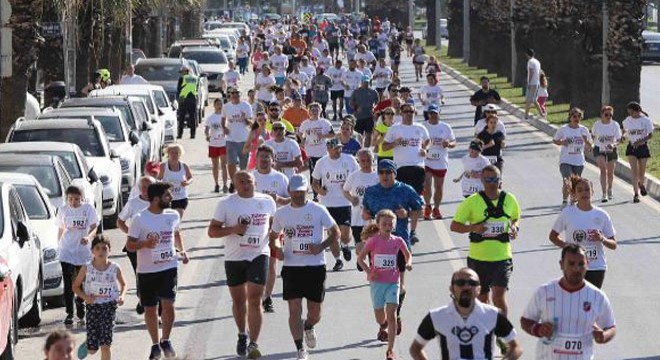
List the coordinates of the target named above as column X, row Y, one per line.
column 188, row 86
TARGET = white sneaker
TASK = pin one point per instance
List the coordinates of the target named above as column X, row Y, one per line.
column 302, row 354
column 310, row 338
column 604, row 198
column 609, row 194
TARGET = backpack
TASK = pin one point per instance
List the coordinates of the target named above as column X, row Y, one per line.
column 492, row 211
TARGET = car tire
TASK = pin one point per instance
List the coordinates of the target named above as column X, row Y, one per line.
column 12, row 335
column 34, row 316
column 55, row 301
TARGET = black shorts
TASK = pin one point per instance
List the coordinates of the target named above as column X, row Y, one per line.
column 180, row 204
column 333, row 46
column 341, row 215
column 609, row 155
column 640, row 152
column 156, row 286
column 336, row 94
column 306, row 282
column 413, row 176
column 356, row 231
column 365, row 125
column 240, row 272
column 595, row 277
column 492, row 273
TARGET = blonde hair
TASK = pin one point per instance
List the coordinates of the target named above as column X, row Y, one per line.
column 385, row 213
column 175, row 147
column 543, row 79
column 368, row 231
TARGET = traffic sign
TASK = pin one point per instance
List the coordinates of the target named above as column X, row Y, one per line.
column 51, row 29
column 307, row 17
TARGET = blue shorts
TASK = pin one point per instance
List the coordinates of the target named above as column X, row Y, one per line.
column 384, row 293
column 347, row 102
column 279, row 80
column 235, row 154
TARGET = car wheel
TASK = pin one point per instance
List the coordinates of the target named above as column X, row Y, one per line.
column 12, row 334
column 33, row 317
column 55, row 301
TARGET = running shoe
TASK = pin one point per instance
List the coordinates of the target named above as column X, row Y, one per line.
column 504, row 347
column 225, row 189
column 155, row 352
column 83, row 351
column 80, row 311
column 436, row 213
column 399, row 327
column 642, row 189
column 310, row 338
column 636, row 198
column 346, row 252
column 216, row 188
column 139, row 309
column 231, row 188
column 253, row 351
column 268, row 305
column 427, row 212
column 609, row 194
column 389, row 355
column 167, row 348
column 302, row 354
column 604, row 198
column 382, row 334
column 338, row 265
column 241, row 345
column 413, row 238
column 68, row 320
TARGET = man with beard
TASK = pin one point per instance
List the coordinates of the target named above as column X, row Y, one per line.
column 483, row 96
column 569, row 314
column 465, row 326
column 243, row 220
column 154, row 235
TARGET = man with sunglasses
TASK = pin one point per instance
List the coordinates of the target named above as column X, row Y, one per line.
column 465, row 326
column 288, row 157
column 491, row 218
column 236, row 122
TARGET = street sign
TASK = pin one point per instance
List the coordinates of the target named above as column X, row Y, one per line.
column 51, row 29
column 307, row 17
column 5, row 52
column 5, row 12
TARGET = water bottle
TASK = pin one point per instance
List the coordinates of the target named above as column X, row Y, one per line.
column 555, row 325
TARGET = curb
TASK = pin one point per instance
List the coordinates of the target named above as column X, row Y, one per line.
column 621, row 170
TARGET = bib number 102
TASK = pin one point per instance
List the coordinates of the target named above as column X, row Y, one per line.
column 573, row 345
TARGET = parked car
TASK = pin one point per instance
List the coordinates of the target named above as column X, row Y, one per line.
column 76, row 165
column 123, row 140
column 178, row 46
column 651, row 49
column 43, row 220
column 241, row 26
column 203, row 91
column 225, row 44
column 444, row 32
column 326, row 16
column 21, row 248
column 271, row 16
column 8, row 329
column 212, row 62
column 91, row 138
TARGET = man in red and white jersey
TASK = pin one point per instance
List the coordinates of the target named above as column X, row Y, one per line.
column 569, row 314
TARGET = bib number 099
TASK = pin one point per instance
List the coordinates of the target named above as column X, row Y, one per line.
column 166, row 255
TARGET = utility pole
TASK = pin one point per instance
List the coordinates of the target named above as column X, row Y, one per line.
column 466, row 30
column 129, row 34
column 411, row 14
column 438, row 31
column 605, row 94
column 69, row 17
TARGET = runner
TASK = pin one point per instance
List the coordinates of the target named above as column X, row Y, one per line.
column 473, row 165
column 230, row 79
column 465, row 326
column 484, row 97
column 383, row 274
column 569, row 314
column 280, row 63
column 264, row 83
column 382, row 76
column 321, row 84
column 607, row 136
column 638, row 130
column 236, row 121
column 436, row 162
column 480, row 125
column 431, row 94
column 336, row 73
column 314, row 131
column 573, row 138
column 303, row 272
column 243, row 220
column 328, row 179
column 350, row 140
column 215, row 136
column 154, row 235
column 363, row 101
column 380, row 130
column 176, row 173
column 588, row 226
column 257, row 136
column 60, row 345
column 287, row 151
column 351, row 81
column 419, row 58
column 493, row 142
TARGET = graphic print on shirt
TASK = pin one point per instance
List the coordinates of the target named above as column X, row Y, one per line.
column 301, row 236
column 253, row 235
column 465, row 336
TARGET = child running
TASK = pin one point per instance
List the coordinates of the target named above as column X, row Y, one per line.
column 104, row 289
column 383, row 274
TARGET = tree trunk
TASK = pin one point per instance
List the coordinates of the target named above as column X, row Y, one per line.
column 431, row 20
column 455, row 28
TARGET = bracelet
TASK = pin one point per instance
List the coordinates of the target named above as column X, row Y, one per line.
column 535, row 330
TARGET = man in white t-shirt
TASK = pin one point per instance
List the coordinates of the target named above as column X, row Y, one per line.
column 533, row 82
column 314, row 131
column 382, row 76
column 131, row 78
column 328, row 178
column 336, row 74
column 215, row 136
column 243, row 219
column 154, row 235
column 230, row 79
column 569, row 314
column 302, row 225
column 351, row 81
column 236, row 122
column 288, row 158
column 280, row 63
column 366, row 55
column 436, row 162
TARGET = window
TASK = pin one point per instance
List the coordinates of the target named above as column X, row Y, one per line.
column 112, row 127
column 44, row 174
column 158, row 72
column 87, row 139
column 161, row 99
column 206, row 57
column 34, row 204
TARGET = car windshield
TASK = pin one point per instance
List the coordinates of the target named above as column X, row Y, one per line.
column 206, row 57
column 212, row 26
column 85, row 138
column 224, row 43
column 45, row 174
column 33, row 202
column 158, row 72
column 112, row 127
column 147, row 101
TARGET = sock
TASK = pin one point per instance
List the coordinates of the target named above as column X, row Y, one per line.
column 384, row 325
column 299, row 344
column 241, row 334
column 402, row 296
column 337, row 258
column 163, row 340
column 307, row 325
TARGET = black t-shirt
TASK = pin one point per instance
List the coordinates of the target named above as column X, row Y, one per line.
column 481, row 95
column 486, row 137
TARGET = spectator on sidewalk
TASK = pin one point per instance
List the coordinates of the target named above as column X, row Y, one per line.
column 533, row 80
column 542, row 95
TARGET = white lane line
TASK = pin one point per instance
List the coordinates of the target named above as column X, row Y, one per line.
column 445, row 240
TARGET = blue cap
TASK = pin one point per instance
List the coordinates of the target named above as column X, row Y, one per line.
column 366, row 78
column 387, row 164
column 433, row 108
column 298, row 183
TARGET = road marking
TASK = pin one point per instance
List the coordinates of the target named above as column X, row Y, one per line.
column 448, row 244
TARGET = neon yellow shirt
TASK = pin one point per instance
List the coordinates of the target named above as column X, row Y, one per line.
column 382, row 129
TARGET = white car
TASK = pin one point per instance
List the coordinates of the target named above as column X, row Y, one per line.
column 43, row 220
column 22, row 250
column 212, row 62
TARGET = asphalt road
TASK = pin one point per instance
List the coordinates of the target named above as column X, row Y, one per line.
column 649, row 90
column 205, row 329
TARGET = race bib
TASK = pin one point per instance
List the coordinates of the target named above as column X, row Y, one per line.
column 251, row 240
column 102, row 289
column 494, row 228
column 492, row 159
column 385, row 262
column 575, row 149
column 434, row 153
column 301, row 246
column 319, row 87
column 162, row 253
column 76, row 222
column 571, row 345
column 470, row 187
column 591, row 252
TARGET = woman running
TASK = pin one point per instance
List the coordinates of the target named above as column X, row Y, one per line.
column 494, row 142
column 177, row 173
column 607, row 135
column 638, row 130
column 257, row 136
column 381, row 128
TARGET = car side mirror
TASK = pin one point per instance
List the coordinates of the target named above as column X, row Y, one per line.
column 154, row 120
column 160, row 112
column 113, row 154
column 134, row 138
column 146, row 126
column 92, row 176
column 175, row 105
column 204, row 74
column 22, row 232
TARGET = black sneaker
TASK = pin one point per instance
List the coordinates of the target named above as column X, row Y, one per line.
column 155, row 352
column 241, row 345
column 642, row 189
column 268, row 305
column 139, row 309
column 68, row 320
column 166, row 346
column 217, row 188
column 80, row 311
column 338, row 265
column 225, row 189
column 413, row 238
column 231, row 188
column 346, row 252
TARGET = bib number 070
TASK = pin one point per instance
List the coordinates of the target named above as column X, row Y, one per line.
column 573, row 345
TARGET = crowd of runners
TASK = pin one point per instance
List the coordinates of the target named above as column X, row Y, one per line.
column 324, row 151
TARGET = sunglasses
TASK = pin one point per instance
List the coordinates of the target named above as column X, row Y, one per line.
column 278, row 129
column 273, row 110
column 607, row 115
column 463, row 282
column 388, row 113
column 491, row 179
column 381, row 172
column 407, row 111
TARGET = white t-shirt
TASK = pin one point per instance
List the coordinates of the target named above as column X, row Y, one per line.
column 332, row 173
column 366, row 71
column 356, row 184
column 431, row 94
column 575, row 313
column 133, row 207
column 577, row 226
column 413, row 137
column 279, row 63
column 481, row 125
column 325, row 61
column 310, row 70
column 132, row 80
column 232, row 78
column 302, row 226
column 312, row 130
column 76, row 223
column 242, row 51
column 264, row 83
column 367, row 56
column 256, row 211
column 382, row 76
column 303, row 79
column 272, row 183
column 534, row 67
column 235, row 116
column 352, row 79
column 216, row 132
column 336, row 75
column 573, row 153
column 605, row 134
column 437, row 156
column 285, row 151
column 471, row 185
column 147, row 225
column 637, row 128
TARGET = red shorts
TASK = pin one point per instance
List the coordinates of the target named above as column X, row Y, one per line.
column 436, row 173
column 215, row 152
